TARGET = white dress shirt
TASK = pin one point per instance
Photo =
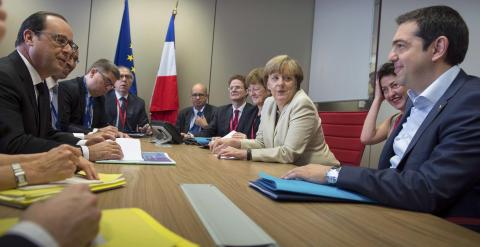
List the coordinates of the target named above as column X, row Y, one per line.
column 422, row 104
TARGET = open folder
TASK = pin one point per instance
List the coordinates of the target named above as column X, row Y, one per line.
column 127, row 227
column 24, row 196
column 299, row 190
column 132, row 154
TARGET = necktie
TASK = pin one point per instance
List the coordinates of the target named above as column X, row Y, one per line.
column 235, row 120
column 397, row 122
column 123, row 113
column 54, row 107
column 87, row 118
column 43, row 107
column 196, row 128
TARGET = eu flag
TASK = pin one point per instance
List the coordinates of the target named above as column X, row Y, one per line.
column 124, row 54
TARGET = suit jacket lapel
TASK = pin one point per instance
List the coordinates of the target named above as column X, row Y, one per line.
column 228, row 117
column 82, row 94
column 188, row 119
column 243, row 120
column 27, row 84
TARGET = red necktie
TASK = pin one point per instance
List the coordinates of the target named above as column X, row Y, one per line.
column 235, row 120
column 397, row 122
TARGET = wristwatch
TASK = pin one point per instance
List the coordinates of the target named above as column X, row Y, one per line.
column 332, row 174
column 19, row 175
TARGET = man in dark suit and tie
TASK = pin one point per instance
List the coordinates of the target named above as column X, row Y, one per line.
column 81, row 100
column 236, row 116
column 192, row 120
column 44, row 224
column 431, row 162
column 44, row 44
column 124, row 110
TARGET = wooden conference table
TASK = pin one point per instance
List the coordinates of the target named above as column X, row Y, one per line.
column 156, row 189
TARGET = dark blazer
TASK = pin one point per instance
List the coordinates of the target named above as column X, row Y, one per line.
column 256, row 119
column 185, row 116
column 71, row 104
column 29, row 128
column 15, row 240
column 440, row 171
column 136, row 114
column 220, row 124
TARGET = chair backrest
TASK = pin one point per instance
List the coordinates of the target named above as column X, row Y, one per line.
column 342, row 134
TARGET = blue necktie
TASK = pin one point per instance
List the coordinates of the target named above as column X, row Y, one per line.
column 54, row 107
column 195, row 128
column 87, row 118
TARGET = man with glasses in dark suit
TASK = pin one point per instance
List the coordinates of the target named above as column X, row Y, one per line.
column 43, row 46
column 191, row 120
column 81, row 100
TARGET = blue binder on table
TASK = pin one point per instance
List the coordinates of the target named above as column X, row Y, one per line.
column 299, row 190
column 203, row 141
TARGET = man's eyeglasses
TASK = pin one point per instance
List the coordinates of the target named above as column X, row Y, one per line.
column 126, row 76
column 106, row 80
column 61, row 40
column 194, row 95
column 233, row 88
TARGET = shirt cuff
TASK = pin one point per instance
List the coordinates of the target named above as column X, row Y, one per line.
column 35, row 233
column 86, row 152
column 93, row 131
column 82, row 143
column 79, row 135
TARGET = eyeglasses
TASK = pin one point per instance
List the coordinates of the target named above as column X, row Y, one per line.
column 235, row 88
column 61, row 40
column 255, row 89
column 127, row 76
column 106, row 80
column 194, row 95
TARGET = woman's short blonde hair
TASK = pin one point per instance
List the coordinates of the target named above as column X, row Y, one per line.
column 255, row 77
column 284, row 65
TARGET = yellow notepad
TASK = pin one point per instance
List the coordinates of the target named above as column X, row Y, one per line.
column 25, row 196
column 128, row 227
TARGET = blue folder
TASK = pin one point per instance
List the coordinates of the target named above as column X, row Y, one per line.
column 299, row 190
column 203, row 141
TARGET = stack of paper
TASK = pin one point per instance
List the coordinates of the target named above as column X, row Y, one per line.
column 298, row 190
column 25, row 196
column 127, row 227
column 132, row 154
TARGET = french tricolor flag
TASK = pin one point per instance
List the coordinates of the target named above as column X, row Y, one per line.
column 164, row 102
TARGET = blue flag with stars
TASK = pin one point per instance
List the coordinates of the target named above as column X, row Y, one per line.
column 124, row 54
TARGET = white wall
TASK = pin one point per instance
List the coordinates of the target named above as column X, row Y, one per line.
column 341, row 50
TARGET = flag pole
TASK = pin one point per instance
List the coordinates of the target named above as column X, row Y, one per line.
column 174, row 12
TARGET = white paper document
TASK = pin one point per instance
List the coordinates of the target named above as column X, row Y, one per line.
column 131, row 148
column 132, row 154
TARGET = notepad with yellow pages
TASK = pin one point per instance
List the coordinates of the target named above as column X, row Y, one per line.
column 24, row 196
column 128, row 227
